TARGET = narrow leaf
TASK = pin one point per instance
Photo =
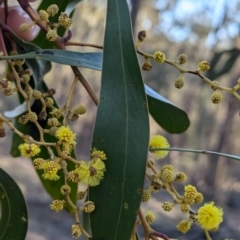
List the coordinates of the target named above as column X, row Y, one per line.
column 13, row 209
column 121, row 131
column 91, row 60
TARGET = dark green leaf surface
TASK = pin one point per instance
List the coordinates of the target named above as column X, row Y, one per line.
column 121, row 131
column 13, row 209
column 165, row 113
column 91, row 60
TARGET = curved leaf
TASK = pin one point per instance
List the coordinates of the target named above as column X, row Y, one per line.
column 121, row 131
column 91, row 60
column 165, row 113
column 13, row 209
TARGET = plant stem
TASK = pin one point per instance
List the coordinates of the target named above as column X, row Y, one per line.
column 196, row 151
column 207, row 235
column 83, row 45
column 69, row 97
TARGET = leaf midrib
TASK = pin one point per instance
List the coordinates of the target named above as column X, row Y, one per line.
column 126, row 126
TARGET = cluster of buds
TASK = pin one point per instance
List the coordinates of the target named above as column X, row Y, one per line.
column 6, row 87
column 76, row 112
column 164, row 179
column 63, row 20
column 34, row 94
column 208, row 217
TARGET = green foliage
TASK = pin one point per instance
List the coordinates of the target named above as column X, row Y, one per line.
column 13, row 209
column 121, row 130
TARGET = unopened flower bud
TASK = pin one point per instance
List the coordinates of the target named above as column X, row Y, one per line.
column 204, row 66
column 43, row 15
column 80, row 195
column 146, row 195
column 19, row 62
column 53, row 122
column 23, row 119
column 76, row 231
column 167, row 206
column 42, row 115
column 150, row 217
column 159, row 57
column 25, row 78
column 64, row 20
column 65, row 189
column 51, row 35
column 51, row 91
column 2, row 132
column 49, row 102
column 28, row 91
column 89, row 207
column 36, row 94
column 53, row 130
column 8, row 91
column 28, row 72
column 32, row 116
column 181, row 59
column 216, row 97
column 80, row 110
column 52, row 10
column 146, row 66
column 179, row 83
column 24, row 27
column 142, row 35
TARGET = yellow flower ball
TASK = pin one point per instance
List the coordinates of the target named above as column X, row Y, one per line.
column 29, row 149
column 159, row 57
column 91, row 172
column 66, row 135
column 159, row 141
column 209, row 216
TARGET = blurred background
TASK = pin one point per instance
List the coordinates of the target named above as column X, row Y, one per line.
column 202, row 29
